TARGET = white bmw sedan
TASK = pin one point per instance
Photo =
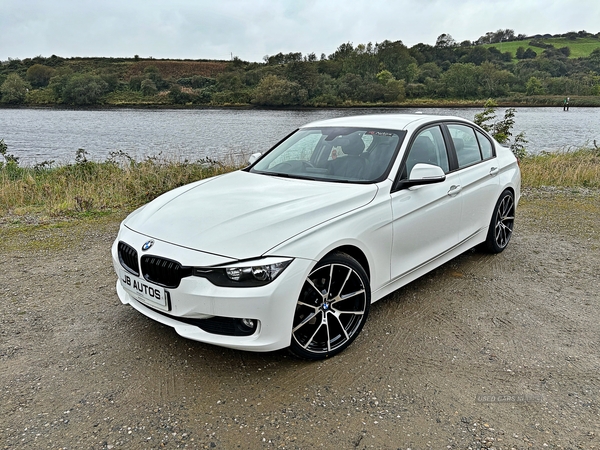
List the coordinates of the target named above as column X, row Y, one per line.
column 292, row 250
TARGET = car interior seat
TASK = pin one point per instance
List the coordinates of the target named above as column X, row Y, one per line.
column 353, row 166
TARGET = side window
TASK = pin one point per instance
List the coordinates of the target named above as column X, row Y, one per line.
column 484, row 145
column 428, row 148
column 465, row 144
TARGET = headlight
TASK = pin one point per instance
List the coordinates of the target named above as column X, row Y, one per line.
column 245, row 274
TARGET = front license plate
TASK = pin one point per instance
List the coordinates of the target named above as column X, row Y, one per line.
column 143, row 291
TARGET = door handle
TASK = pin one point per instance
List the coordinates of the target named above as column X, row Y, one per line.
column 454, row 190
column 494, row 171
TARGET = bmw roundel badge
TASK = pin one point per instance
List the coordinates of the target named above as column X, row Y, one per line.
column 147, row 245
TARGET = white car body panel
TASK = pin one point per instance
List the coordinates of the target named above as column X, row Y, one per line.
column 417, row 212
column 397, row 235
column 241, row 215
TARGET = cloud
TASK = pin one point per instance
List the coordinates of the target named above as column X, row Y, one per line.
column 216, row 29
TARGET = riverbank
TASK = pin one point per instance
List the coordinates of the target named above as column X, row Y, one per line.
column 136, row 101
column 120, row 183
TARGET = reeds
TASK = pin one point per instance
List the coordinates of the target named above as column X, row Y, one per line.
column 121, row 183
column 565, row 168
column 90, row 187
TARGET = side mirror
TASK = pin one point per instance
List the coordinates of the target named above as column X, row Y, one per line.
column 254, row 157
column 423, row 174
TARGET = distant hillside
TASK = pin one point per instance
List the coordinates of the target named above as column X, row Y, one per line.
column 514, row 70
column 179, row 69
column 578, row 47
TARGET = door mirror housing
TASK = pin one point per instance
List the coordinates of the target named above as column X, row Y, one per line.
column 422, row 174
column 253, row 158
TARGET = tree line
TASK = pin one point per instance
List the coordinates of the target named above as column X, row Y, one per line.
column 383, row 73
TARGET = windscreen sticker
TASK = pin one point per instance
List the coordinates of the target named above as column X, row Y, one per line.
column 379, row 133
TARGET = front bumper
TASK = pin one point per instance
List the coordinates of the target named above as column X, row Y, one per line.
column 197, row 299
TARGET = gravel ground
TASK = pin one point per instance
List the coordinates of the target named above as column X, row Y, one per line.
column 485, row 352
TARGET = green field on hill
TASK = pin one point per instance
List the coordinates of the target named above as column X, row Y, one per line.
column 580, row 47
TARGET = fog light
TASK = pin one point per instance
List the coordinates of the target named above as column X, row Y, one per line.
column 248, row 323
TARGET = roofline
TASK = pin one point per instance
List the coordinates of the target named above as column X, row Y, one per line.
column 388, row 121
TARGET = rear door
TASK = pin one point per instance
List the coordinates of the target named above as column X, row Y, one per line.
column 479, row 184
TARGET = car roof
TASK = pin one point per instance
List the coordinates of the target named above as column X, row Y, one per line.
column 385, row 121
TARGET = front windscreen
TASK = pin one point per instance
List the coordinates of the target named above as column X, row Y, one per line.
column 360, row 155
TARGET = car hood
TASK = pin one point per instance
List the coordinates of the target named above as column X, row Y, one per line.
column 243, row 215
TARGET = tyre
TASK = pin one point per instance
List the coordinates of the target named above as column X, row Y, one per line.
column 332, row 307
column 502, row 223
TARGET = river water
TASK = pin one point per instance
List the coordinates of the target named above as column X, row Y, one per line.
column 37, row 135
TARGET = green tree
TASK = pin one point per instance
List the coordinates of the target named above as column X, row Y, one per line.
column 494, row 82
column 412, row 72
column 305, row 74
column 229, row 81
column 384, row 76
column 39, row 75
column 394, row 91
column 429, row 70
column 395, row 57
column 275, row 91
column 593, row 61
column 461, row 80
column 147, row 87
column 520, row 52
column 14, row 89
column 153, row 73
column 501, row 130
column 84, row 89
column 529, row 54
column 135, row 82
column 534, row 87
column 180, row 96
column 445, row 40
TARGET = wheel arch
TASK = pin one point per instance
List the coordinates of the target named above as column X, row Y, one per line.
column 510, row 189
column 355, row 253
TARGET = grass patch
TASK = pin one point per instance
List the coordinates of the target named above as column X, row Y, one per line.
column 580, row 47
column 89, row 188
column 568, row 168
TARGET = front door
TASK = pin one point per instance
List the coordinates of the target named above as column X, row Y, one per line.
column 426, row 219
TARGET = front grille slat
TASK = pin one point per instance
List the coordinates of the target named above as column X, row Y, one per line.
column 163, row 271
column 128, row 257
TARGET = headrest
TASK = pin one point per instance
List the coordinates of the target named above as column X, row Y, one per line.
column 353, row 145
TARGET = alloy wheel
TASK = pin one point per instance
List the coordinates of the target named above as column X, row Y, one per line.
column 332, row 308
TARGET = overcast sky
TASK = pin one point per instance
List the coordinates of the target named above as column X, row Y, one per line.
column 251, row 29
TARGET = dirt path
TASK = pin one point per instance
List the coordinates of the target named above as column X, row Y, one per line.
column 486, row 352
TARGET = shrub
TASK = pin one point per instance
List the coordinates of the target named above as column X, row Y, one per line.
column 501, row 130
column 135, row 83
column 275, row 91
column 180, row 96
column 148, row 87
column 84, row 89
column 39, row 75
column 14, row 89
column 534, row 87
